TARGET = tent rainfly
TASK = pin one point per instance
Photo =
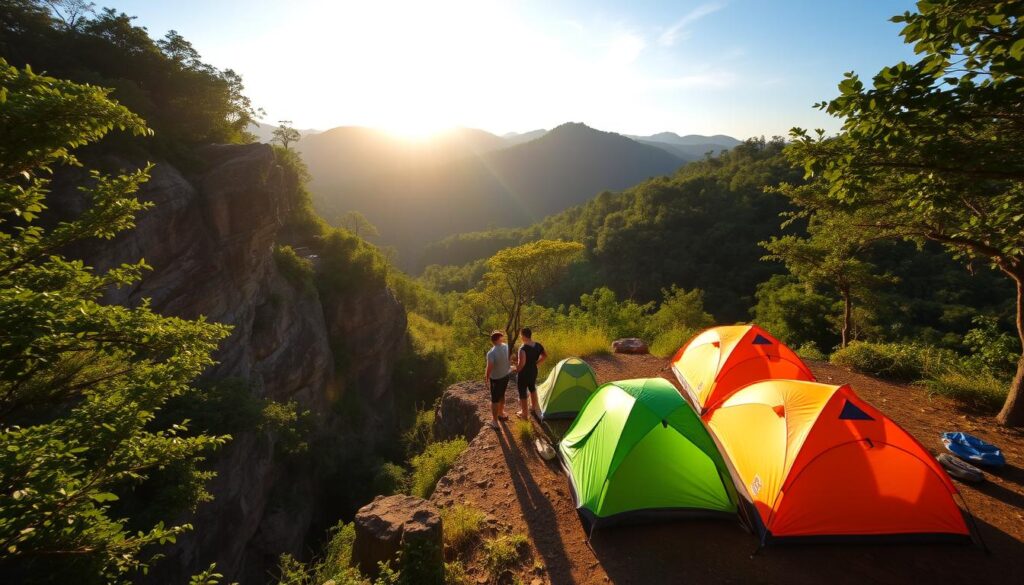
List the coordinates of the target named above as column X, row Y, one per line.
column 637, row 450
column 817, row 463
column 566, row 389
column 721, row 360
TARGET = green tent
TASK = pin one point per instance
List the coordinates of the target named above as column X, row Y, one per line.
column 566, row 389
column 637, row 450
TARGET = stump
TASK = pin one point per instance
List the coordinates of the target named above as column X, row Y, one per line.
column 407, row 524
column 629, row 345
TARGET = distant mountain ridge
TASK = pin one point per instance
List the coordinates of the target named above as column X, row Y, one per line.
column 466, row 179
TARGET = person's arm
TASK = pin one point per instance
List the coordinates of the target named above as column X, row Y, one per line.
column 543, row 355
column 487, row 370
column 520, row 357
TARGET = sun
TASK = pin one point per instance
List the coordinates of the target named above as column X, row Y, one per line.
column 416, row 129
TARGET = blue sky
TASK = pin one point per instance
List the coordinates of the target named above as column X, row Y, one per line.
column 738, row 67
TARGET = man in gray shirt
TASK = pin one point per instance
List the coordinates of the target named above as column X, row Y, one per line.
column 497, row 374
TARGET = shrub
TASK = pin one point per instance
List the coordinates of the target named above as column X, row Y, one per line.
column 389, row 479
column 503, row 553
column 992, row 349
column 977, row 389
column 420, row 434
column 524, row 430
column 898, row 361
column 809, row 351
column 462, row 525
column 435, row 461
column 296, row 269
column 455, row 574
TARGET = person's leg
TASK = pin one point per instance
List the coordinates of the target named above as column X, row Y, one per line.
column 533, row 397
column 502, row 389
column 524, row 406
column 497, row 399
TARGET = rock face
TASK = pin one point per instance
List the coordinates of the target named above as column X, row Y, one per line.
column 629, row 345
column 461, row 411
column 209, row 240
column 391, row 524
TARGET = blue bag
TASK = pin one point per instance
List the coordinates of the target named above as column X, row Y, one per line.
column 973, row 449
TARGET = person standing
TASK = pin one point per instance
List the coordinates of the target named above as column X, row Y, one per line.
column 531, row 355
column 497, row 374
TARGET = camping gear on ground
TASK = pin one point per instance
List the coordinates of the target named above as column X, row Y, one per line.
column 816, row 462
column 638, row 451
column 566, row 388
column 959, row 469
column 546, row 451
column 971, row 448
column 721, row 360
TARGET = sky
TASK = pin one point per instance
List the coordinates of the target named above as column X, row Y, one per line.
column 737, row 67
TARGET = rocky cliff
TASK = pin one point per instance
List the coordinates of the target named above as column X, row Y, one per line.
column 209, row 239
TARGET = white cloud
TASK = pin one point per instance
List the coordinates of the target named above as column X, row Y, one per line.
column 678, row 30
column 719, row 79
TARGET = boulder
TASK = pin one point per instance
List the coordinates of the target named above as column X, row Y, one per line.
column 629, row 345
column 390, row 524
column 462, row 410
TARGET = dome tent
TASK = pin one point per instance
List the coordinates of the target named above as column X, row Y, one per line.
column 721, row 360
column 637, row 450
column 566, row 389
column 816, row 462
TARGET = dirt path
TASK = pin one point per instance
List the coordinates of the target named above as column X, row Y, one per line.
column 522, row 493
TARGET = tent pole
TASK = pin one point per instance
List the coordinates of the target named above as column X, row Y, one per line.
column 974, row 525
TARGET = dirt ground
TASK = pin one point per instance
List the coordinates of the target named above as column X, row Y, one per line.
column 522, row 493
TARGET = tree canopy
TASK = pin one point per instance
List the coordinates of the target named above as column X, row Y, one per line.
column 81, row 381
column 932, row 150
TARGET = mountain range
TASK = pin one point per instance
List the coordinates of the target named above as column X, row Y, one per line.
column 417, row 192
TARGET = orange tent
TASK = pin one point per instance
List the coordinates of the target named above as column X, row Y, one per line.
column 721, row 360
column 817, row 462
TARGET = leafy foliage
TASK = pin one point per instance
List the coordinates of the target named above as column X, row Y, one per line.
column 932, row 150
column 165, row 81
column 81, row 382
column 435, row 461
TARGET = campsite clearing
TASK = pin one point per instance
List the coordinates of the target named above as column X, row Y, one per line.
column 521, row 493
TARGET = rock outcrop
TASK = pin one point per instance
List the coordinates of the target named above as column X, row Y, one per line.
column 209, row 239
column 392, row 524
column 629, row 345
column 462, row 410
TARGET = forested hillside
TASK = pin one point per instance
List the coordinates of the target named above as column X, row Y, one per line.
column 413, row 198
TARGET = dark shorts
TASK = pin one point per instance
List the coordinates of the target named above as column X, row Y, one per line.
column 526, row 381
column 498, row 388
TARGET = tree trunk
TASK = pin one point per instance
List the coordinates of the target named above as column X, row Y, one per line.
column 847, row 318
column 1012, row 414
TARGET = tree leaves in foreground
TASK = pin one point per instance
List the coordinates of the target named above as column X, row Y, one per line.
column 934, row 150
column 80, row 381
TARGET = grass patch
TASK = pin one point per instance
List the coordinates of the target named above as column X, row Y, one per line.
column 667, row 343
column 427, row 335
column 503, row 553
column 524, row 430
column 462, row 525
column 420, row 434
column 296, row 269
column 896, row 361
column 978, row 390
column 562, row 343
column 435, row 461
column 455, row 574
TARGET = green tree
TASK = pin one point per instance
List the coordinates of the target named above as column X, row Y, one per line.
column 80, row 381
column 933, row 149
column 830, row 256
column 285, row 134
column 515, row 276
column 357, row 223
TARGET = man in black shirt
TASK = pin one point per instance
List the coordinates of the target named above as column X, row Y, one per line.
column 531, row 355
